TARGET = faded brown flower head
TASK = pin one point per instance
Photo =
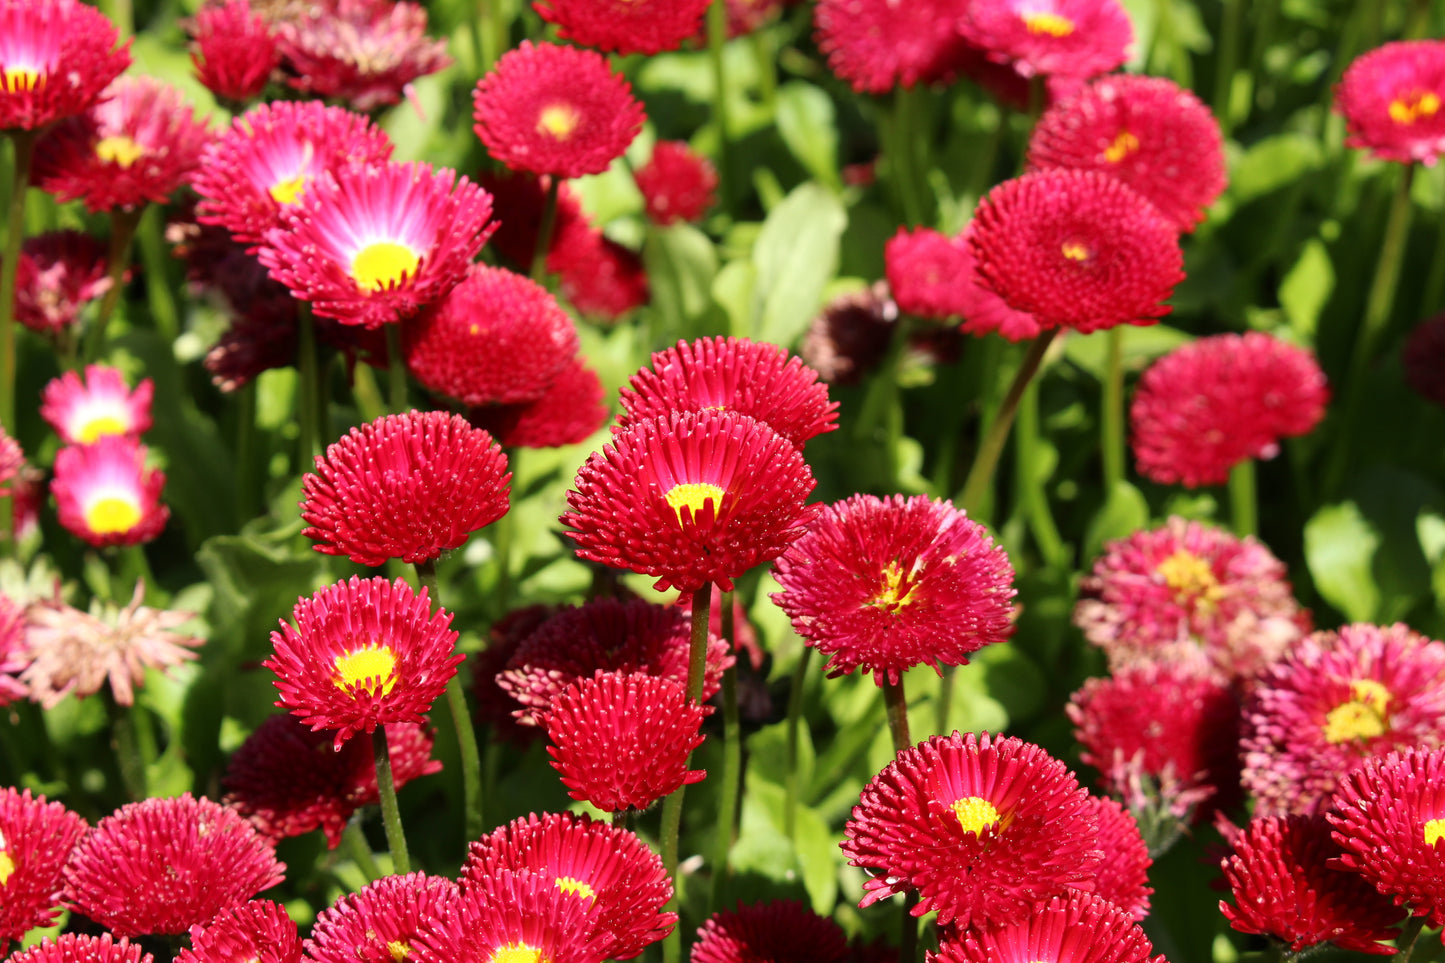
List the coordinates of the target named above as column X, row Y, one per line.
column 77, row 652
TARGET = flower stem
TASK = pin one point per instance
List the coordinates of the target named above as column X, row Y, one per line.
column 1228, row 63
column 122, row 231
column 360, row 851
column 901, row 166
column 23, row 144
column 767, row 61
column 1112, row 425
column 1243, row 507
column 896, row 701
column 390, row 812
column 1409, row 938
column 795, row 722
column 884, row 403
column 396, row 369
column 727, row 812
column 545, row 228
column 717, row 38
column 159, row 290
column 127, row 746
column 1031, row 487
column 306, row 394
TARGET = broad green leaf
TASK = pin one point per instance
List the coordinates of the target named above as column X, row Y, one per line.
column 732, row 289
column 1431, row 529
column 1340, row 547
column 808, row 125
column 1307, row 287
column 1271, row 164
column 1125, row 511
column 681, row 265
column 795, row 256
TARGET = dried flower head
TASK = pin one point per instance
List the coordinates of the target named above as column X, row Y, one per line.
column 59, row 56
column 850, row 336
column 36, row 840
column 1391, row 99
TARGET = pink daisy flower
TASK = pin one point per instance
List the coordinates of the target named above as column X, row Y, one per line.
column 520, row 915
column 1392, row 99
column 258, row 932
column 36, row 840
column 677, row 183
column 13, row 654
column 1123, row 876
column 1076, row 38
column 80, row 948
column 233, row 50
column 84, row 410
column 379, row 922
column 927, row 272
column 12, row 460
column 876, row 46
column 58, row 275
column 1073, row 928
column 982, row 310
column 58, row 57
column 624, row 26
column 602, row 279
column 105, row 495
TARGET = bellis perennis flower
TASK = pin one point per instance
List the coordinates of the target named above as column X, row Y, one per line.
column 58, row 57
column 105, row 495
column 83, row 410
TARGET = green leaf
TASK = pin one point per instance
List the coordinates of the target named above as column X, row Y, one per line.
column 1125, row 511
column 732, row 289
column 762, row 850
column 808, row 125
column 1140, row 346
column 681, row 265
column 1271, row 164
column 1307, row 287
column 795, row 256
column 1340, row 547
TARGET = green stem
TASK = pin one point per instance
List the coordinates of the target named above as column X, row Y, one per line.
column 717, row 37
column 544, row 229
column 884, row 402
column 944, row 707
column 1418, row 25
column 504, row 535
column 1435, row 281
column 1112, row 425
column 1266, row 15
column 23, row 142
column 767, row 61
column 307, row 376
column 1243, row 506
column 127, row 747
column 901, row 166
column 1034, row 499
column 248, row 486
column 396, row 369
column 1409, row 938
column 896, row 702
column 1228, row 63
column 732, row 763
column 795, row 722
column 367, row 393
column 159, row 290
column 985, row 462
column 360, row 852
column 390, row 812
column 122, row 232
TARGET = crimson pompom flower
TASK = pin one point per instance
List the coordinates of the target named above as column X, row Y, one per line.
column 982, row 310
column 1336, row 700
column 569, row 411
column 286, row 779
column 624, row 26
column 1162, row 595
column 13, row 655
column 732, row 374
column 233, row 50
column 1423, row 360
column 36, row 840
column 1392, row 99
column 780, row 931
column 258, row 932
column 363, row 653
column 406, row 486
column 165, row 865
column 983, row 827
column 1148, row 132
column 1075, row 38
column 105, row 495
column 81, row 948
column 269, row 156
column 1072, row 928
column 1287, row 884
column 610, row 636
column 1123, row 875
column 875, row 45
column 134, row 147
column 927, row 272
column 602, row 279
column 83, row 410
column 496, row 338
column 59, row 56
column 608, row 866
column 1219, row 401
column 883, row 585
column 364, row 52
column 379, row 923
column 623, row 740
column 1076, row 249
column 677, row 183
column 555, row 110
column 58, row 274
column 373, row 245
column 506, row 915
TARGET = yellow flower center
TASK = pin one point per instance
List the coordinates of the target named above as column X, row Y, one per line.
column 570, row 884
column 1414, row 106
column 1362, row 717
column 1434, row 829
column 287, row 191
column 99, row 425
column 371, row 667
column 7, row 865
column 558, row 120
column 516, row 953
column 22, row 78
column 975, row 814
column 112, row 514
column 1191, row 580
column 383, row 264
column 890, row 595
column 1124, row 145
column 693, row 495
column 120, row 150
column 398, row 950
column 1076, row 251
column 1049, row 23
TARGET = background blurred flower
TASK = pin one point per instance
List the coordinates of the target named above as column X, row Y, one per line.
column 1392, row 98
column 1075, row 38
column 234, row 50
column 876, row 46
column 624, row 26
column 105, row 495
column 677, row 183
column 780, row 930
column 58, row 275
column 82, row 409
column 567, row 413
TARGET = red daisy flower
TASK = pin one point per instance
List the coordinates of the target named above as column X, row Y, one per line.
column 79, row 948
column 517, row 201
column 1389, row 816
column 982, row 310
column 82, row 411
column 134, row 147
column 1391, row 99
column 1073, row 928
column 677, row 183
column 1424, row 359
column 58, row 56
column 364, row 653
column 508, row 915
column 258, row 932
column 105, row 495
column 12, row 460
column 36, row 840
column 556, row 110
column 884, row 585
column 405, row 486
column 1076, row 249
column 602, row 279
column 1336, row 700
column 26, row 493
column 780, row 931
column 624, row 26
column 1076, row 38
column 984, row 828
column 692, row 498
column 379, row 923
column 1123, row 876
column 373, row 245
column 568, row 412
column 1218, row 401
column 1148, row 132
column 623, row 740
column 286, row 779
column 58, row 274
column 1286, row 882
column 234, row 50
column 14, row 656
column 875, row 45
column 927, row 272
column 605, row 635
column 497, row 338
column 365, row 52
column 165, row 865
column 268, row 158
column 609, row 867
column 732, row 374
column 1162, row 595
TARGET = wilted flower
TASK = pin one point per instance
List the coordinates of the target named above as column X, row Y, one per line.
column 36, row 840
column 850, row 336
column 58, row 56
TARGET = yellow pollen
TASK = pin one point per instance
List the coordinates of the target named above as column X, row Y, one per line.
column 558, row 120
column 516, row 953
column 1075, row 251
column 112, row 514
column 1049, row 23
column 398, row 950
column 368, row 667
column 1434, row 829
column 119, row 150
column 975, row 814
column 1363, row 717
column 694, row 495
column 289, row 190
column 22, row 78
column 7, row 865
column 570, row 884
column 98, row 426
column 474, row 329
column 1192, row 580
column 889, row 595
column 382, row 264
column 1414, row 106
column 1124, row 145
